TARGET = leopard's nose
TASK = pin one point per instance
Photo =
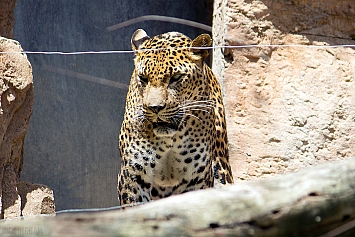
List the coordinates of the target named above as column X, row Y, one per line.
column 156, row 108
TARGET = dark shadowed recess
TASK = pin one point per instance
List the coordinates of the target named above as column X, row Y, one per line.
column 71, row 144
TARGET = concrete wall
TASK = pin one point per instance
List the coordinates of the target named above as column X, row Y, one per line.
column 71, row 145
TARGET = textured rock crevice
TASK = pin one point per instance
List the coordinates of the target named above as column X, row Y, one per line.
column 287, row 107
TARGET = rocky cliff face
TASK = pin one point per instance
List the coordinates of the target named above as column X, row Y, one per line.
column 292, row 106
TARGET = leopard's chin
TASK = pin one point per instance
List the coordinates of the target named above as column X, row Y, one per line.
column 164, row 129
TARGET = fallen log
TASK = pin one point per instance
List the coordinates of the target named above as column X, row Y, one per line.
column 310, row 202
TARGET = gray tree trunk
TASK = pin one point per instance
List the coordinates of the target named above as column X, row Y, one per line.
column 310, row 202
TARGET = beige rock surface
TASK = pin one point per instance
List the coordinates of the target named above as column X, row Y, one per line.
column 16, row 99
column 36, row 199
column 287, row 107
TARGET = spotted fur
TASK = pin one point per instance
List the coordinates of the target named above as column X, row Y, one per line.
column 173, row 137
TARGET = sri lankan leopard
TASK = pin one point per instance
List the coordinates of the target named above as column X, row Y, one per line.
column 173, row 137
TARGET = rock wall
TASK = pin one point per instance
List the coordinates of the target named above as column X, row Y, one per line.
column 287, row 107
column 16, row 98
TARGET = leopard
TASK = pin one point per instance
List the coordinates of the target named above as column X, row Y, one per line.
column 173, row 137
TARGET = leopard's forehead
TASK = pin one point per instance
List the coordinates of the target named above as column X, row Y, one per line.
column 169, row 55
column 167, row 40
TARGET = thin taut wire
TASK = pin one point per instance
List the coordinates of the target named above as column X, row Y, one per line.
column 213, row 47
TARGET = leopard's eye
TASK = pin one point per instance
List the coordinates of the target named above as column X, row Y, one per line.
column 143, row 80
column 175, row 78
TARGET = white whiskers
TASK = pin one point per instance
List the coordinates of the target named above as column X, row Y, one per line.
column 189, row 107
column 176, row 114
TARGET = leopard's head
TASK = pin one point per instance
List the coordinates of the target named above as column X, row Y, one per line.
column 170, row 78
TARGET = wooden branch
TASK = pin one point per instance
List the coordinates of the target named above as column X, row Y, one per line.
column 310, row 202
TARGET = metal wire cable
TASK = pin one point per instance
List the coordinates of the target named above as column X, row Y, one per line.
column 159, row 18
column 97, row 209
column 157, row 49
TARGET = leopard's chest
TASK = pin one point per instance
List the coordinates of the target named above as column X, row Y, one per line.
column 174, row 161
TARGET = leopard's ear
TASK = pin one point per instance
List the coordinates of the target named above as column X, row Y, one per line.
column 138, row 37
column 200, row 41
